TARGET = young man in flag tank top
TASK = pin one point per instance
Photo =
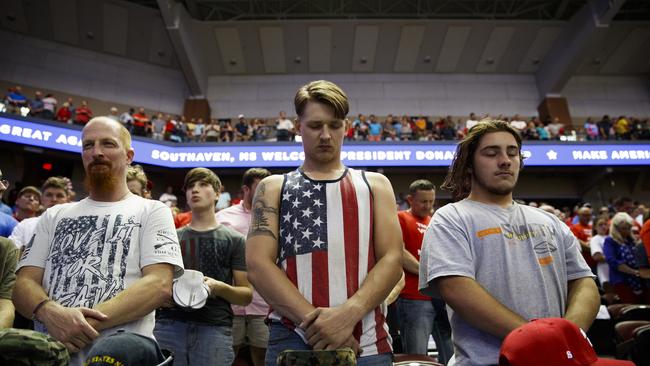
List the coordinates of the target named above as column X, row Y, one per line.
column 324, row 246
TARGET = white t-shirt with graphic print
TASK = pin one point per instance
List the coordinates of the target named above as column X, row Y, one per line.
column 93, row 250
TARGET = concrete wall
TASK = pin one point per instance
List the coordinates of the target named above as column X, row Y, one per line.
column 430, row 94
column 613, row 95
column 381, row 94
column 54, row 66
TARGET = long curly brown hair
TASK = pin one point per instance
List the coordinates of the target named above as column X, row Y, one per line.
column 459, row 176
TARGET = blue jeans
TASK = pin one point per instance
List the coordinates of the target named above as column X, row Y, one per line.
column 195, row 344
column 418, row 319
column 282, row 338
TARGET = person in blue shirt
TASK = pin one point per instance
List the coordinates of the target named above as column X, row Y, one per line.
column 7, row 223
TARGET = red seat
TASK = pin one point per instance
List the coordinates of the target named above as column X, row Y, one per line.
column 625, row 332
column 402, row 359
column 615, row 310
column 635, row 312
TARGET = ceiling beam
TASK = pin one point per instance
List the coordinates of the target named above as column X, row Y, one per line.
column 586, row 28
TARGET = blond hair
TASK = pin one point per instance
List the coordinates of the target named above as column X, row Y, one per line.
column 135, row 172
column 324, row 92
column 617, row 220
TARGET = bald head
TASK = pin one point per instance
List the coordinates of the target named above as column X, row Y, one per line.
column 584, row 216
column 122, row 132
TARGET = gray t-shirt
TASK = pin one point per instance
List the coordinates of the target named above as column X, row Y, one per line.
column 216, row 253
column 523, row 256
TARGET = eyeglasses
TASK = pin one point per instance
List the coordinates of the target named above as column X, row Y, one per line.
column 4, row 182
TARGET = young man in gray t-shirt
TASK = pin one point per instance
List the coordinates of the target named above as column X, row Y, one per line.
column 496, row 263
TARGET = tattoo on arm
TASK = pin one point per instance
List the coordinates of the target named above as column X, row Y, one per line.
column 260, row 215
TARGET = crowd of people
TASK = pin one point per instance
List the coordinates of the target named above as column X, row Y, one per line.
column 177, row 128
column 311, row 259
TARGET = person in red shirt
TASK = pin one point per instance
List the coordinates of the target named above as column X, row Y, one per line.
column 584, row 231
column 645, row 233
column 64, row 114
column 420, row 315
column 83, row 114
column 141, row 123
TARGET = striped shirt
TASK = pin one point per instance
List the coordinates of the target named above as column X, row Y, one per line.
column 326, row 247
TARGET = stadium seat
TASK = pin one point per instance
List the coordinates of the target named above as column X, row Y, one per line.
column 625, row 332
column 640, row 353
column 615, row 310
column 402, row 359
column 635, row 312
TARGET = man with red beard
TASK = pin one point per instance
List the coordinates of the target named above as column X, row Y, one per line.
column 103, row 263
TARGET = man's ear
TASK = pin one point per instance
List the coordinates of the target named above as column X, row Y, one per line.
column 130, row 153
column 409, row 199
column 296, row 124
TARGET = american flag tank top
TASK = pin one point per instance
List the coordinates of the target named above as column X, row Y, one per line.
column 326, row 247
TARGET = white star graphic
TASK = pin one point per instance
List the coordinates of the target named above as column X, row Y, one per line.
column 297, row 185
column 306, row 212
column 281, row 231
column 317, row 221
column 551, row 154
column 295, row 202
column 318, row 186
column 286, row 196
column 281, row 252
column 307, row 194
column 296, row 224
column 296, row 247
column 317, row 203
column 317, row 243
column 289, row 238
column 306, row 234
column 287, row 217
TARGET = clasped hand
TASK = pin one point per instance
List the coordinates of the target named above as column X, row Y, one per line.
column 329, row 329
column 70, row 326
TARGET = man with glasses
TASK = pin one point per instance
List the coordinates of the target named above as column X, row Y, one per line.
column 7, row 223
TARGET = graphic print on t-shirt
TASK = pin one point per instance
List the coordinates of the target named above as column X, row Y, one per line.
column 542, row 236
column 88, row 262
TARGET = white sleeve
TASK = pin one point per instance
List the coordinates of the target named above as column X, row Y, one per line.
column 37, row 247
column 596, row 245
column 158, row 239
column 18, row 236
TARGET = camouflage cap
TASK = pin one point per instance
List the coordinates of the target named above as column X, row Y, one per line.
column 24, row 347
column 339, row 357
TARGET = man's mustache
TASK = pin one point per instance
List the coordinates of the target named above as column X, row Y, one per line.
column 99, row 162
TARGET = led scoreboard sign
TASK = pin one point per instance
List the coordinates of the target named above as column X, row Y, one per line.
column 234, row 155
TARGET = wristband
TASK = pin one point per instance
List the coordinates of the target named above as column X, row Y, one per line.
column 38, row 307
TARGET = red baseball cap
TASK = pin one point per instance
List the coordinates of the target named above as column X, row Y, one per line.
column 551, row 341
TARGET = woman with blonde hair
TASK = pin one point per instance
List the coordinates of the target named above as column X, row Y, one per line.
column 620, row 253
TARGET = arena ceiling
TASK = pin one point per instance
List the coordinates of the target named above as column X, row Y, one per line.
column 226, row 10
column 255, row 37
